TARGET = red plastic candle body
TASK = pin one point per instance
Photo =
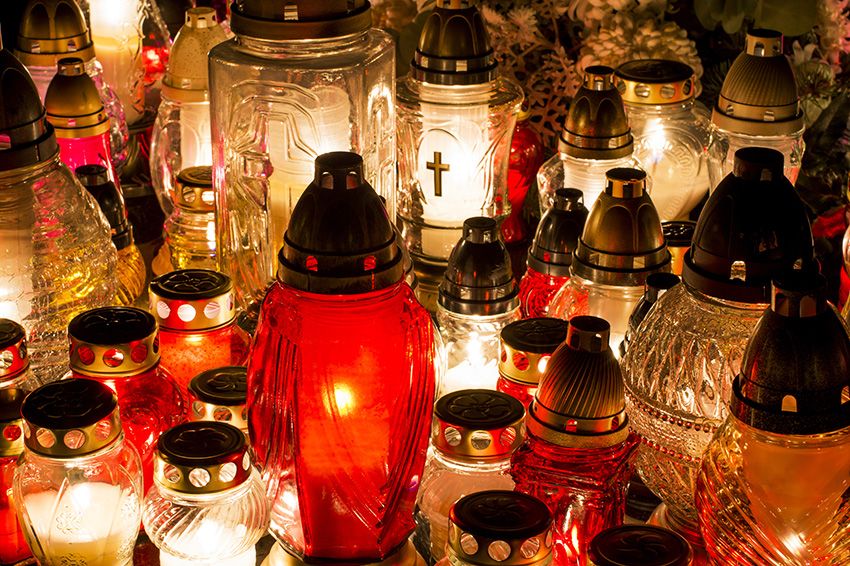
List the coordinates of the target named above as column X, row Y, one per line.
column 526, row 158
column 13, row 547
column 186, row 354
column 92, row 150
column 536, row 291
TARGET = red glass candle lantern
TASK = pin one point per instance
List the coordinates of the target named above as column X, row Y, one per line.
column 525, row 159
column 14, row 355
column 119, row 346
column 341, row 376
column 579, row 455
column 13, row 547
column 551, row 252
column 77, row 114
column 525, row 347
column 219, row 395
column 197, row 323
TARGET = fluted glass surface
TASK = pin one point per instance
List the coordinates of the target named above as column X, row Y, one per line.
column 562, row 171
column 724, row 144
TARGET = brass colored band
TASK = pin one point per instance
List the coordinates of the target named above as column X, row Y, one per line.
column 202, row 411
column 748, row 120
column 656, row 94
column 184, row 94
column 65, row 131
column 482, row 557
column 11, row 438
column 73, row 442
column 220, row 476
column 530, row 375
column 589, row 433
column 503, row 441
column 191, row 197
column 208, row 313
column 584, row 147
column 52, row 50
column 122, row 360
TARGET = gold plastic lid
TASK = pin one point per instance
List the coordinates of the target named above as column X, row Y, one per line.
column 526, row 346
column 73, row 103
column 51, row 30
column 478, row 424
column 194, row 189
column 219, row 395
column 655, row 82
column 186, row 78
column 14, row 354
column 500, row 528
column 113, row 341
column 202, row 457
column 11, row 422
column 759, row 94
column 192, row 299
column 70, row 418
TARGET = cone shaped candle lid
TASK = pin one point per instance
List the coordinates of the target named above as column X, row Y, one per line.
column 581, row 398
column 753, row 227
column 655, row 81
column 795, row 376
column 187, row 77
column 22, row 118
column 596, row 126
column 73, row 102
column 51, row 30
column 95, row 179
column 478, row 280
column 286, row 20
column 453, row 47
column 622, row 241
column 759, row 94
column 557, row 234
column 340, row 239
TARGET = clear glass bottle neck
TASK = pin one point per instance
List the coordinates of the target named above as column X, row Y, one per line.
column 463, row 465
column 299, row 48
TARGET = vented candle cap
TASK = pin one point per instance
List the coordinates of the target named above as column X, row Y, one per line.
column 73, row 102
column 795, row 373
column 655, row 82
column 193, row 190
column 525, row 347
column 287, row 20
column 51, row 30
column 14, row 354
column 639, row 545
column 95, row 179
column 11, row 422
column 220, row 395
column 596, row 126
column 186, row 77
column 558, row 233
column 478, row 425
column 113, row 341
column 192, row 300
column 581, row 398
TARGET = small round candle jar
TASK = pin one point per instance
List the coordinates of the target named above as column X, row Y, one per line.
column 208, row 505
column 78, row 486
column 639, row 545
column 197, row 320
column 13, row 547
column 499, row 527
column 219, row 395
column 475, row 432
column 119, row 347
column 525, row 347
column 14, row 355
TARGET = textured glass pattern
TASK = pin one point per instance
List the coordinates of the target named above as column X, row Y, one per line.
column 131, row 274
column 190, row 241
column 275, row 107
column 208, row 528
column 82, row 511
column 670, row 145
column 770, row 499
column 678, row 374
column 471, row 345
column 444, row 481
column 724, row 144
column 56, row 259
column 536, row 291
column 562, row 171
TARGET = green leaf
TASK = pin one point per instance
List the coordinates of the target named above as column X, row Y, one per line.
column 791, row 17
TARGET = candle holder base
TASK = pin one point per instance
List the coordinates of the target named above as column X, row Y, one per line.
column 661, row 517
column 405, row 556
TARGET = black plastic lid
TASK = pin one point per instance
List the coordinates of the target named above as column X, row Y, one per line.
column 478, row 409
column 478, row 279
column 795, row 374
column 22, row 118
column 191, row 284
column 96, row 180
column 299, row 19
column 558, row 233
column 112, row 325
column 540, row 335
column 227, row 386
column 340, row 239
column 678, row 233
column 11, row 333
column 639, row 545
column 69, row 404
column 200, row 444
column 501, row 515
column 753, row 227
column 654, row 71
column 454, row 48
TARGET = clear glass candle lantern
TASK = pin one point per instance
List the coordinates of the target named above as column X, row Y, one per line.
column 525, row 347
column 621, row 245
column 219, row 395
column 56, row 257
column 499, row 527
column 77, row 115
column 475, row 432
column 596, row 138
column 13, row 546
column 207, row 506
column 51, row 30
column 551, row 252
column 182, row 135
column 579, row 453
column 671, row 137
column 680, row 363
column 478, row 297
column 119, row 347
column 773, row 484
column 656, row 285
column 758, row 107
column 132, row 272
column 15, row 369
column 78, row 486
column 639, row 545
column 301, row 78
column 455, row 119
column 342, row 371
column 196, row 314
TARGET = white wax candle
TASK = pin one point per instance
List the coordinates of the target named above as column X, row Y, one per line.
column 195, row 135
